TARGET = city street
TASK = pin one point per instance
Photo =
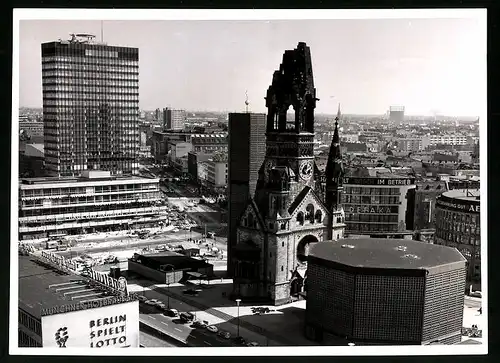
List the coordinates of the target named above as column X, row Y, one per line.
column 153, row 317
column 147, row 340
column 184, row 332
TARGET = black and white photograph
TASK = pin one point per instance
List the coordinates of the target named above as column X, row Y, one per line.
column 248, row 182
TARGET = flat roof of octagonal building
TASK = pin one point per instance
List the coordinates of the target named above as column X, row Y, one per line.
column 388, row 254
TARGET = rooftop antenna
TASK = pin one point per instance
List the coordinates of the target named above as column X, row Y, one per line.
column 246, row 101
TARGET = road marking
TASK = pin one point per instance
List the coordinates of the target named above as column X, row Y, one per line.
column 207, row 343
column 178, row 329
column 163, row 322
column 152, row 317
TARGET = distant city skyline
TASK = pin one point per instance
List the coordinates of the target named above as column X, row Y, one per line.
column 427, row 65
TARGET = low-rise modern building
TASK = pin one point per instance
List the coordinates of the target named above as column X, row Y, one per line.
column 385, row 291
column 446, row 139
column 93, row 202
column 458, row 224
column 32, row 128
column 60, row 309
column 169, row 267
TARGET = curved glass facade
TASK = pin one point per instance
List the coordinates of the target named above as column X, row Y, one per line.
column 458, row 225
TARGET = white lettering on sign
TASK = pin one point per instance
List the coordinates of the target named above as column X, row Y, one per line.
column 474, row 208
column 59, row 260
column 94, row 304
column 372, row 209
column 108, row 331
column 378, row 181
column 119, row 285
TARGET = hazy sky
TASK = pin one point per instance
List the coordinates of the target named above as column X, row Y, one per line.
column 367, row 65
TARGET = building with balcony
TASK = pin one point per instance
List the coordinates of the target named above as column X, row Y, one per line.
column 94, row 202
column 410, row 144
column 447, row 139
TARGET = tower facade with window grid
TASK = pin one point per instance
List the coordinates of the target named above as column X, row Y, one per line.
column 90, row 107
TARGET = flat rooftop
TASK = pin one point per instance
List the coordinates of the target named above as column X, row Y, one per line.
column 42, row 286
column 177, row 260
column 385, row 253
column 463, row 194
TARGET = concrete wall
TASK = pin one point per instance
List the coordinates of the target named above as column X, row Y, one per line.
column 147, row 272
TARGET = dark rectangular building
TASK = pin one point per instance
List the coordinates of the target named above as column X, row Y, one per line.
column 90, row 106
column 246, row 150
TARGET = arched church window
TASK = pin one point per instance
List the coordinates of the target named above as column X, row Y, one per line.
column 300, row 218
column 245, row 222
column 310, row 213
column 339, row 219
column 250, row 220
column 318, row 216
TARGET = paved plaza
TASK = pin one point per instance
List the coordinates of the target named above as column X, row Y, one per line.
column 283, row 325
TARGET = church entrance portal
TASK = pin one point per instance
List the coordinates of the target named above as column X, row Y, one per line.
column 303, row 247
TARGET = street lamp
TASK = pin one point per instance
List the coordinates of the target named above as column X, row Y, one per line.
column 238, row 304
column 168, row 284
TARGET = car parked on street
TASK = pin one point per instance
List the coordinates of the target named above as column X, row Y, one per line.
column 240, row 340
column 186, row 317
column 171, row 312
column 200, row 324
column 224, row 334
column 142, row 298
column 212, row 329
column 151, row 302
column 252, row 344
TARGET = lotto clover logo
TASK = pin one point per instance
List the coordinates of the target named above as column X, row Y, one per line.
column 61, row 337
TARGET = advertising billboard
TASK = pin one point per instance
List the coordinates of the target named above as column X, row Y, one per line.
column 378, row 181
column 114, row 326
column 459, row 205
